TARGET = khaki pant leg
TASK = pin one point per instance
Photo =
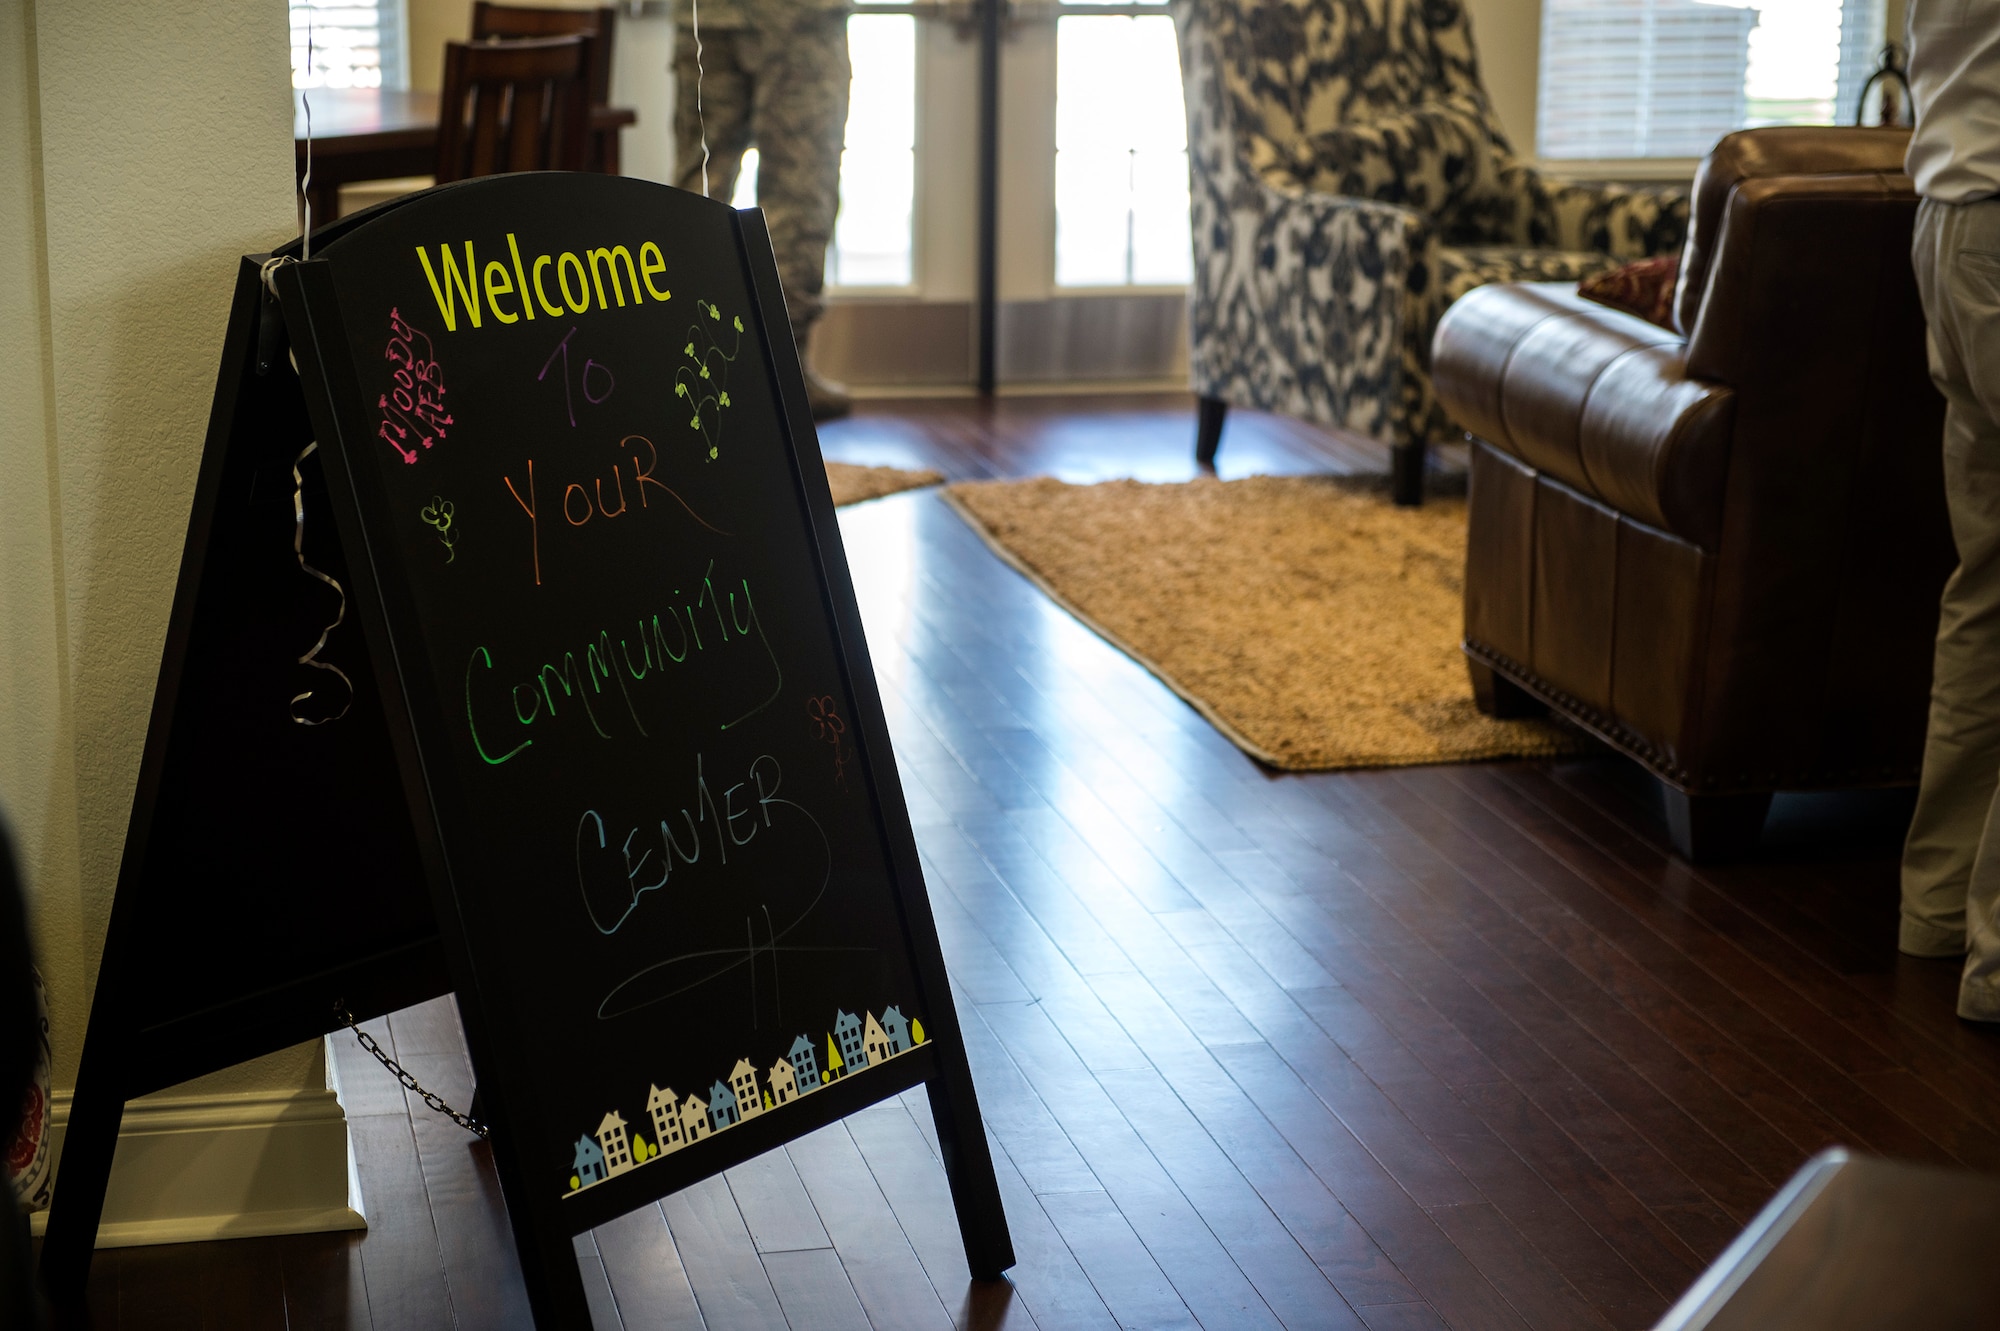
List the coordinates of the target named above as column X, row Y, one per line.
column 725, row 91
column 1951, row 862
column 802, row 74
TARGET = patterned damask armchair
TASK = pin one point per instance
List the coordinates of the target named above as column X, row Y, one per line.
column 1350, row 181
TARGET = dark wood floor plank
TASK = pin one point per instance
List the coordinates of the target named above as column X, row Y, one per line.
column 1732, row 1153
column 597, row 1295
column 401, row 1260
column 1630, row 1134
column 874, row 1245
column 643, row 1266
column 1278, row 1268
column 1403, row 1317
column 1522, row 1275
column 482, row 1269
column 1453, row 1058
column 1392, row 1088
column 365, row 1086
column 428, row 1028
column 1045, row 938
column 1314, row 1218
column 774, row 1204
column 1815, row 990
column 161, row 1287
column 243, row 1285
column 1016, row 1114
column 813, row 1290
column 1551, row 1190
column 1835, row 860
column 1195, row 1261
column 1444, row 1276
column 912, row 1182
column 1400, row 1146
column 1120, row 1268
column 1691, row 1007
column 1009, row 870
column 721, row 1260
column 324, row 1286
column 1714, row 937
column 976, row 966
column 1821, row 1092
column 1568, row 1229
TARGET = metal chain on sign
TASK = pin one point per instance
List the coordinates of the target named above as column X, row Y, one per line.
column 367, row 1041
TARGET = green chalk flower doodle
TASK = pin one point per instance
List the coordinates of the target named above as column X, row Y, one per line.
column 703, row 380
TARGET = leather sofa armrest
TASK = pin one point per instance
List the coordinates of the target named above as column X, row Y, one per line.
column 1599, row 399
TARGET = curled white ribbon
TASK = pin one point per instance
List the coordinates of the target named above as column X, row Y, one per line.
column 299, row 549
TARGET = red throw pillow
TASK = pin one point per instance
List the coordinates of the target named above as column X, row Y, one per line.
column 1645, row 288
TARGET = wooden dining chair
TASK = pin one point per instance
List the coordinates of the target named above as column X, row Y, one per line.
column 516, row 21
column 513, row 106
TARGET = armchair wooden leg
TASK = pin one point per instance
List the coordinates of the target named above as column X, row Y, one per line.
column 1406, row 473
column 1209, row 412
column 1709, row 828
column 1499, row 697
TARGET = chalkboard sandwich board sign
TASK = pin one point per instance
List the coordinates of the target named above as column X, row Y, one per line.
column 601, row 621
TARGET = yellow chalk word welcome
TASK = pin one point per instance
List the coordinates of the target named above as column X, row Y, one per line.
column 576, row 280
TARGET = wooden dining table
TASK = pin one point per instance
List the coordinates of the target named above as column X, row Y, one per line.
column 382, row 133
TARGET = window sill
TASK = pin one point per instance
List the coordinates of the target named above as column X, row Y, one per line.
column 1635, row 170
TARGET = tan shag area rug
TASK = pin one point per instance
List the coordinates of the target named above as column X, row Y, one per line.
column 1314, row 622
column 852, row 484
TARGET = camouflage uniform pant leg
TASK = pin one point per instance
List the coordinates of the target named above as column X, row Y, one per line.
column 799, row 121
column 724, row 114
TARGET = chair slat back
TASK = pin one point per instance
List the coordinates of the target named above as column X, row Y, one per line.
column 513, row 106
column 516, row 21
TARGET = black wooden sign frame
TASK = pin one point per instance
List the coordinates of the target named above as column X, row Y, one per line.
column 259, row 421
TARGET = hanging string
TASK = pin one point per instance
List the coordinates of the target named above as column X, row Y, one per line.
column 701, row 121
column 299, row 549
column 305, row 181
column 266, row 273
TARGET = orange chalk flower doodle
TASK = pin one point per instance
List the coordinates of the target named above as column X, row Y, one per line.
column 827, row 725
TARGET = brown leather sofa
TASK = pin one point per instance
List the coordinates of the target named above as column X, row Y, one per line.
column 1719, row 548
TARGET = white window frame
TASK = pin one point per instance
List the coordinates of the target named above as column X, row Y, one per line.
column 1858, row 50
column 392, row 28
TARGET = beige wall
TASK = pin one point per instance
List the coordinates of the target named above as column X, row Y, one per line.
column 142, row 149
column 1508, row 34
column 432, row 23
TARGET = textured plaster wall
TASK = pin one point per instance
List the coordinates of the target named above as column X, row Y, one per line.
column 1509, row 37
column 142, row 149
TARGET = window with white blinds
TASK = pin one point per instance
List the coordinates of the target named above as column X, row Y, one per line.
column 348, row 44
column 1667, row 78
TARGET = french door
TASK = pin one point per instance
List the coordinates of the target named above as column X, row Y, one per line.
column 1092, row 209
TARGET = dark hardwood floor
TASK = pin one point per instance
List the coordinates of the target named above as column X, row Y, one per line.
column 1439, row 1047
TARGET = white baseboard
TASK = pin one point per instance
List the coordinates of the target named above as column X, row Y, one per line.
column 224, row 1166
